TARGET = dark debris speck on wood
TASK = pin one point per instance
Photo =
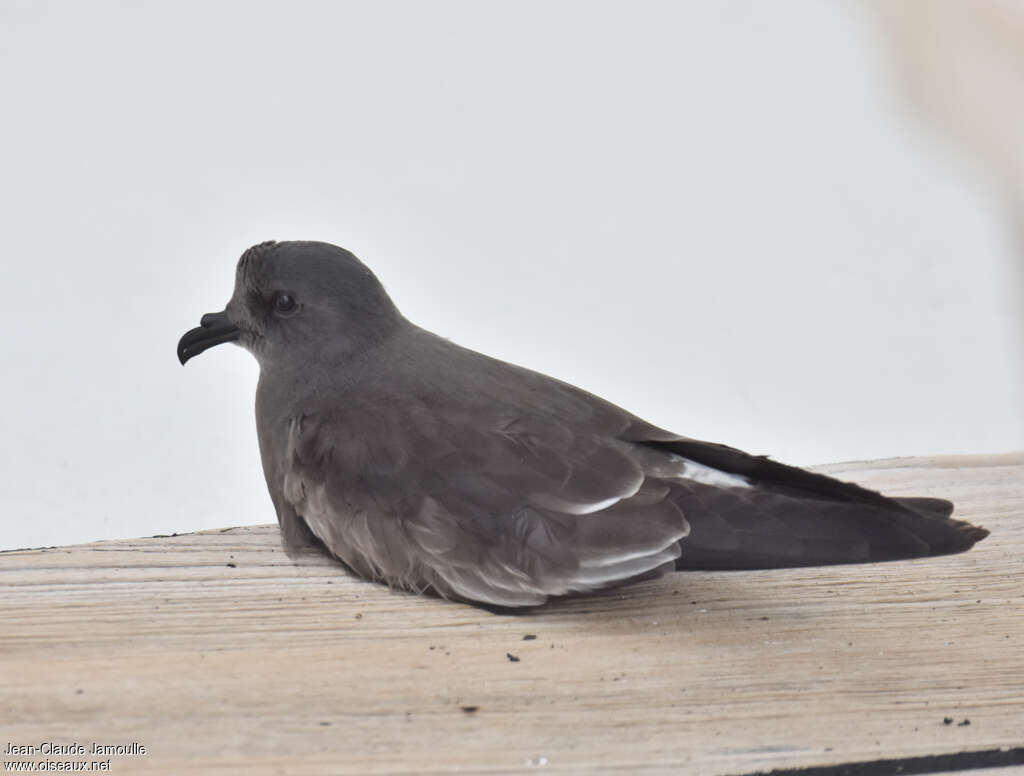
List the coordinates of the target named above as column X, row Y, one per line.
column 511, row 658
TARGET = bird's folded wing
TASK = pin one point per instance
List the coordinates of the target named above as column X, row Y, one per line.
column 499, row 510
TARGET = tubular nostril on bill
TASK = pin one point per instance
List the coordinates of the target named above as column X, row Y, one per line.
column 208, row 320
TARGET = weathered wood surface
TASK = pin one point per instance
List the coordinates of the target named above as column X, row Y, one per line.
column 220, row 654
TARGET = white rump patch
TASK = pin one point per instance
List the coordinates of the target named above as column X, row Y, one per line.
column 705, row 475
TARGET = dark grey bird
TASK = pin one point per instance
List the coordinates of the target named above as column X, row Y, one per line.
column 430, row 467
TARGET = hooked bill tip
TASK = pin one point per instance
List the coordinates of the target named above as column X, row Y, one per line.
column 214, row 329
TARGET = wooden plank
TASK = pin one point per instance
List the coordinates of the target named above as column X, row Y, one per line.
column 217, row 651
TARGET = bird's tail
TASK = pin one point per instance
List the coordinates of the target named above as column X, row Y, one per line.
column 786, row 517
column 768, row 530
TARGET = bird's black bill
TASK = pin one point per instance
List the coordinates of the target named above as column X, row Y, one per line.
column 213, row 329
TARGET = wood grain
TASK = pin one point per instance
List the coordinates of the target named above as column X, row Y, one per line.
column 218, row 652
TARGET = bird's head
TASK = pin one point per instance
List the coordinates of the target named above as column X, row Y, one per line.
column 297, row 302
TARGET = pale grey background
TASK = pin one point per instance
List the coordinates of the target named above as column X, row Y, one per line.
column 713, row 214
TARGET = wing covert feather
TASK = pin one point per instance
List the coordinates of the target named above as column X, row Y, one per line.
column 507, row 512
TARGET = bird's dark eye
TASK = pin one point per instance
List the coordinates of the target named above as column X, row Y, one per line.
column 284, row 303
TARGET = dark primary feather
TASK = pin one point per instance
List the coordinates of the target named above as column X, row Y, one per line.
column 428, row 466
column 793, row 517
